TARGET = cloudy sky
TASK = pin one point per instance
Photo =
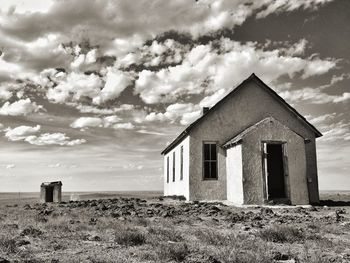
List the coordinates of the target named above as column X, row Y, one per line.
column 91, row 91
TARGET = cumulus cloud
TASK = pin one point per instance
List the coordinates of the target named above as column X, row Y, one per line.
column 20, row 107
column 5, row 94
column 21, row 132
column 75, row 86
column 298, row 48
column 84, row 60
column 33, row 40
column 116, row 82
column 10, row 69
column 102, row 110
column 338, row 131
column 211, row 100
column 156, row 54
column 322, row 118
column 197, row 17
column 184, row 113
column 84, row 122
column 92, row 109
column 110, row 120
column 28, row 134
column 318, row 67
column 279, row 6
column 314, row 96
column 125, row 126
column 204, row 69
column 53, row 139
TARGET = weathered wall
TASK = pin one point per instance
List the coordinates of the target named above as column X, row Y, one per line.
column 311, row 160
column 57, row 194
column 178, row 187
column 249, row 105
column 253, row 173
column 234, row 171
column 42, row 194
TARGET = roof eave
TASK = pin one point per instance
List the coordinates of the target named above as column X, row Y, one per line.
column 175, row 142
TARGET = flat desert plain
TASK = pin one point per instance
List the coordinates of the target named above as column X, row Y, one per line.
column 144, row 227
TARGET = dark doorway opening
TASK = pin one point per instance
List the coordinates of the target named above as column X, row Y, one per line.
column 49, row 194
column 275, row 172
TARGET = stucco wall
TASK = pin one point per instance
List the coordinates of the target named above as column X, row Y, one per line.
column 311, row 160
column 253, row 174
column 249, row 105
column 179, row 187
column 234, row 172
column 57, row 193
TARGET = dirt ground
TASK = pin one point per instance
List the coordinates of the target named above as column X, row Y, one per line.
column 128, row 229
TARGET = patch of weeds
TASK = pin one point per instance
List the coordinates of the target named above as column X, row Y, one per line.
column 31, row 231
column 312, row 256
column 130, row 237
column 213, row 237
column 141, row 221
column 173, row 251
column 282, row 234
column 8, row 245
column 243, row 249
column 96, row 259
column 314, row 227
column 40, row 219
column 163, row 234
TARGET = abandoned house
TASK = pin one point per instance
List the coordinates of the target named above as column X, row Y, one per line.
column 251, row 147
column 51, row 192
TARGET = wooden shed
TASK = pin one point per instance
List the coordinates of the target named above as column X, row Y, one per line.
column 51, row 192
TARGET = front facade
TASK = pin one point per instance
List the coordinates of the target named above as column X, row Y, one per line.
column 249, row 148
column 51, row 192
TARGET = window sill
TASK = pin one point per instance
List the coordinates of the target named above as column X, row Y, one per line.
column 210, row 179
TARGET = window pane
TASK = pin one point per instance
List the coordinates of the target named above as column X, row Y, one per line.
column 206, row 151
column 213, row 169
column 206, row 169
column 167, row 169
column 173, row 166
column 181, row 163
column 213, row 152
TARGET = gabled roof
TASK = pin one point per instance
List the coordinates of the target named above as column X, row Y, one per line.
column 254, row 78
column 238, row 137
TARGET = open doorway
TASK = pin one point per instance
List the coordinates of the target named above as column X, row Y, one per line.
column 49, row 194
column 275, row 175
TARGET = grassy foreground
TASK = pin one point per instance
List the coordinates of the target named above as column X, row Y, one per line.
column 156, row 230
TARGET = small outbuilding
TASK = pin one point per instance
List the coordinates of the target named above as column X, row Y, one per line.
column 251, row 147
column 51, row 192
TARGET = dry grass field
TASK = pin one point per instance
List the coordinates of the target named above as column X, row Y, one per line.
column 135, row 229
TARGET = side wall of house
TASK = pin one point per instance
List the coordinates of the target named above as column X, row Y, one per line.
column 312, row 177
column 234, row 171
column 179, row 187
column 295, row 162
column 250, row 104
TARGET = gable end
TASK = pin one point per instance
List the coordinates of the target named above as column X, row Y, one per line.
column 261, row 84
